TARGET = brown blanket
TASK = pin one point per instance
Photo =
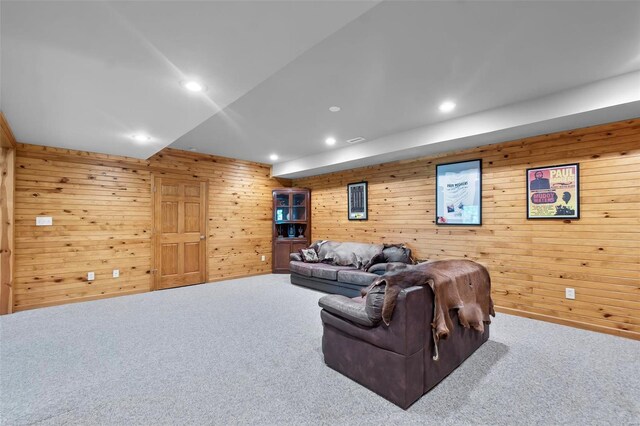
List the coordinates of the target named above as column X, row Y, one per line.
column 457, row 284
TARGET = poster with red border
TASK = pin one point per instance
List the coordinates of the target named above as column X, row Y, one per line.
column 553, row 192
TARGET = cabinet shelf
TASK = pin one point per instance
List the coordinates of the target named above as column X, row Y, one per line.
column 290, row 235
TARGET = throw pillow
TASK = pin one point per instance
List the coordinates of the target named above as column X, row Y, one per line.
column 397, row 253
column 309, row 255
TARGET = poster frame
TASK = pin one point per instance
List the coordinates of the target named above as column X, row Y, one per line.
column 350, row 214
column 474, row 165
column 554, row 217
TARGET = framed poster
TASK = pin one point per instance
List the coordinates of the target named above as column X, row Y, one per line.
column 357, row 198
column 553, row 192
column 459, row 193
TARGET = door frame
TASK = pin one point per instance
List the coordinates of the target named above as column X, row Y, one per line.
column 155, row 275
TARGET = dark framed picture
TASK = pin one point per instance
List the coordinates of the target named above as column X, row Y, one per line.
column 459, row 193
column 358, row 203
column 553, row 192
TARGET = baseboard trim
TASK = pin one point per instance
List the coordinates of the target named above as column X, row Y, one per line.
column 235, row 277
column 20, row 308
column 571, row 323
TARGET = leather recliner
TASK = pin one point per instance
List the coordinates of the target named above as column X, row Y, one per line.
column 395, row 361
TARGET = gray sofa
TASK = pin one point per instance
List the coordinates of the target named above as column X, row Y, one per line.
column 346, row 267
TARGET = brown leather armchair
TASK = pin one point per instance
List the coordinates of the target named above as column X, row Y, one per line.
column 395, row 361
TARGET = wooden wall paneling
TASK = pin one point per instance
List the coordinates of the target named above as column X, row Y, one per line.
column 103, row 219
column 7, row 220
column 7, row 243
column 101, row 210
column 155, row 215
column 7, row 139
column 239, row 215
column 531, row 262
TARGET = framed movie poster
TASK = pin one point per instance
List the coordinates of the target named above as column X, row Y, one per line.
column 459, row 193
column 357, row 197
column 553, row 192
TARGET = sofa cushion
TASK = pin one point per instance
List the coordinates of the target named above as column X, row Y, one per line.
column 357, row 277
column 327, row 272
column 301, row 268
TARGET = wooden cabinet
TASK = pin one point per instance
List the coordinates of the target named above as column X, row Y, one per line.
column 291, row 225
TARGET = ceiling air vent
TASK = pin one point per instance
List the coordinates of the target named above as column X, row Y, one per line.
column 355, row 140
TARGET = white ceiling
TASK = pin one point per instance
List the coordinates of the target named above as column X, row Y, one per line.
column 604, row 101
column 88, row 75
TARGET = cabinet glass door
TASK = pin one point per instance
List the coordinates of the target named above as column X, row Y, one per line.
column 299, row 208
column 282, row 211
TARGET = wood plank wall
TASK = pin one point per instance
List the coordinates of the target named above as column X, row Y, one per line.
column 531, row 262
column 102, row 220
column 7, row 183
column 240, row 209
column 7, row 189
column 7, row 139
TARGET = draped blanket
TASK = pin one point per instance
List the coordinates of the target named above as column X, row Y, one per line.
column 457, row 284
column 359, row 255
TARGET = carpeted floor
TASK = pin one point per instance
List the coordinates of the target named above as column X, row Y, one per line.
column 248, row 352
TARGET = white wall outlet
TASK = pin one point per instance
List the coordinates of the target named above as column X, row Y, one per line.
column 570, row 293
column 91, row 276
column 264, row 257
column 44, row 221
column 116, row 273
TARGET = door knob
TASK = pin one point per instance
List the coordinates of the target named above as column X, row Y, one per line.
column 202, row 237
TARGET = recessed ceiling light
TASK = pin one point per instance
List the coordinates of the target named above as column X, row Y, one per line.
column 140, row 137
column 334, row 108
column 273, row 157
column 193, row 86
column 330, row 141
column 447, row 106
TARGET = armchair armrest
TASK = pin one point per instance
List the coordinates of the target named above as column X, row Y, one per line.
column 345, row 308
column 411, row 318
column 404, row 335
column 295, row 256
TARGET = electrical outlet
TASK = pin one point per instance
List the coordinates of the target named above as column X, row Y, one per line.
column 264, row 257
column 570, row 293
column 91, row 276
column 116, row 273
